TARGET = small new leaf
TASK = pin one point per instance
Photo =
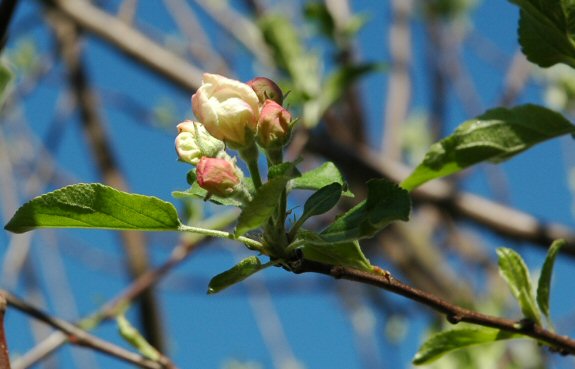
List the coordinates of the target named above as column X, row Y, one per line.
column 236, row 274
column 320, row 177
column 262, row 206
column 386, row 202
column 94, row 206
column 496, row 135
column 513, row 269
column 441, row 343
column 544, row 285
column 320, row 202
column 134, row 338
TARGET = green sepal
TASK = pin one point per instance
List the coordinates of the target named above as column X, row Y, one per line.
column 196, row 191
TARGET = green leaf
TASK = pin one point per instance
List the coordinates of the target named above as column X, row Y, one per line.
column 262, row 206
column 443, row 342
column 346, row 254
column 5, row 81
column 496, row 135
column 544, row 285
column 546, row 30
column 320, row 202
column 385, row 203
column 134, row 338
column 197, row 192
column 319, row 177
column 513, row 269
column 94, row 206
column 236, row 274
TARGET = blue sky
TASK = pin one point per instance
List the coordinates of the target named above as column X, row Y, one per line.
column 206, row 331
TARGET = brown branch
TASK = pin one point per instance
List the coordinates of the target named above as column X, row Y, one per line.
column 82, row 338
column 4, row 356
column 453, row 313
column 93, row 127
column 132, row 43
column 399, row 82
column 197, row 40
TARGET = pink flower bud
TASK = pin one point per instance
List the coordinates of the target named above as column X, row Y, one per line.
column 227, row 108
column 266, row 89
column 193, row 142
column 274, row 125
column 220, row 177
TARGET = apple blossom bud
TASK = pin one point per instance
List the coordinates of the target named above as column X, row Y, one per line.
column 194, row 142
column 274, row 125
column 266, row 89
column 229, row 109
column 218, row 176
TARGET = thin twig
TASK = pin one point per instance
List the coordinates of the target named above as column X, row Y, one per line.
column 82, row 338
column 399, row 82
column 454, row 313
column 132, row 42
column 196, row 38
column 7, row 9
column 4, row 356
column 238, row 27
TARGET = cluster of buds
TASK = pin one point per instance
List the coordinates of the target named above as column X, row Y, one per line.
column 233, row 114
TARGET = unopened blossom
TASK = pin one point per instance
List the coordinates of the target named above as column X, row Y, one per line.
column 193, row 142
column 274, row 125
column 218, row 176
column 266, row 89
column 227, row 108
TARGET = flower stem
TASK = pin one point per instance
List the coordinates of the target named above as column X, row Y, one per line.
column 250, row 243
column 255, row 173
column 250, row 155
